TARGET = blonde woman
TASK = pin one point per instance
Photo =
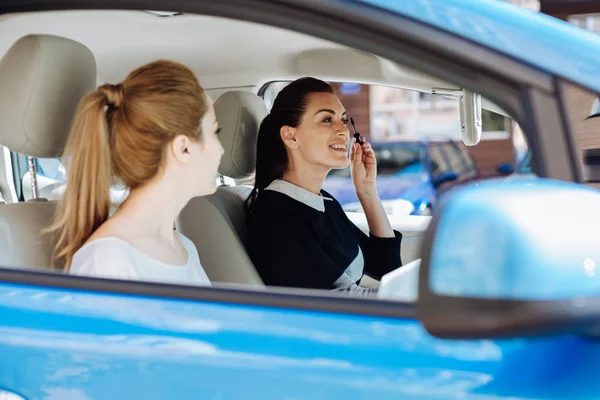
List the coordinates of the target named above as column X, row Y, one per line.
column 157, row 133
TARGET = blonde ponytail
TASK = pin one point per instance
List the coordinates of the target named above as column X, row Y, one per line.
column 86, row 202
column 122, row 131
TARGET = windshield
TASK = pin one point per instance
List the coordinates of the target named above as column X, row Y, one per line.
column 394, row 160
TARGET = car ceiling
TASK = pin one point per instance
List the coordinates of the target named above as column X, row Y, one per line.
column 224, row 53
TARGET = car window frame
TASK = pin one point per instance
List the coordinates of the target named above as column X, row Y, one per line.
column 388, row 35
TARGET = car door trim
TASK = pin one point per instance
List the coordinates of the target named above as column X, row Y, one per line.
column 303, row 299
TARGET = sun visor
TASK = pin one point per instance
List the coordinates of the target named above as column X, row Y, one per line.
column 348, row 65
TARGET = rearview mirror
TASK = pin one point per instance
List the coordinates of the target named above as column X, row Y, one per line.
column 470, row 113
column 470, row 118
column 507, row 258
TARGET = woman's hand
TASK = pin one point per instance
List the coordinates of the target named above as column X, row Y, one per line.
column 364, row 167
column 364, row 177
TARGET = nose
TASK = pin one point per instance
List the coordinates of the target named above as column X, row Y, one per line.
column 342, row 129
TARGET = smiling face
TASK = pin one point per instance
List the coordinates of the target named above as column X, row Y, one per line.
column 322, row 137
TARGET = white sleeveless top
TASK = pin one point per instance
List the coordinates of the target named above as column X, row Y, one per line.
column 111, row 257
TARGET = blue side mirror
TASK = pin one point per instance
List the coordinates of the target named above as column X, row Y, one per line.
column 505, row 169
column 510, row 257
column 444, row 177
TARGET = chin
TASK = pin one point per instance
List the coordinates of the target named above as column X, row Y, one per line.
column 340, row 164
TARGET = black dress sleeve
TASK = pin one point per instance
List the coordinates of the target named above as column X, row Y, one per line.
column 294, row 258
column 382, row 255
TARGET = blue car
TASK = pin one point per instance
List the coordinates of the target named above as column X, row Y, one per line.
column 503, row 278
column 415, row 171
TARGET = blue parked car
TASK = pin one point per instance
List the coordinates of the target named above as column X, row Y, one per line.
column 416, row 171
column 506, row 276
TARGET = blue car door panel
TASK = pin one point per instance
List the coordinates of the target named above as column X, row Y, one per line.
column 83, row 345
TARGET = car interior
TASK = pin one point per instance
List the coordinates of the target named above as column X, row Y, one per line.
column 50, row 60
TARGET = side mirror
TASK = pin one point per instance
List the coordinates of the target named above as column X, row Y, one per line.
column 505, row 169
column 508, row 258
column 444, row 177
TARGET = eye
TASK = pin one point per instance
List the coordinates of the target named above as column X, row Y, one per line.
column 345, row 121
column 327, row 119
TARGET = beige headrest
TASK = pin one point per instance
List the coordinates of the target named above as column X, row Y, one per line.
column 239, row 115
column 42, row 79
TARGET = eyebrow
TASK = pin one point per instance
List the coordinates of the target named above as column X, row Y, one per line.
column 329, row 111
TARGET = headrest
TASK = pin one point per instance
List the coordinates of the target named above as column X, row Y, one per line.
column 42, row 80
column 239, row 115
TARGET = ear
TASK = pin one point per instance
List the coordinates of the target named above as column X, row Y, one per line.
column 180, row 149
column 288, row 135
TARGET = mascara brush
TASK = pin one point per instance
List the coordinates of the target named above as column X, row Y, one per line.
column 356, row 134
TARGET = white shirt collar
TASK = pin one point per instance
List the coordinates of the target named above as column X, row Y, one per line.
column 297, row 193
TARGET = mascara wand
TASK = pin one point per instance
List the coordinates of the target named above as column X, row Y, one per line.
column 356, row 134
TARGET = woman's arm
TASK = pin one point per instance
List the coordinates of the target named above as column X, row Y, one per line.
column 382, row 254
column 364, row 176
column 379, row 225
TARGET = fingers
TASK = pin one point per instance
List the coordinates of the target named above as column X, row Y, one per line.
column 365, row 145
column 361, row 152
column 367, row 149
column 356, row 153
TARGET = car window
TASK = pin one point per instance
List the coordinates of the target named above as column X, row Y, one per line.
column 467, row 159
column 406, row 127
column 525, row 165
column 398, row 159
column 468, row 164
column 53, row 170
column 393, row 160
column 454, row 157
column 50, row 168
column 439, row 162
column 397, row 121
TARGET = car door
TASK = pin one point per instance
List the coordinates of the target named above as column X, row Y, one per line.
column 65, row 337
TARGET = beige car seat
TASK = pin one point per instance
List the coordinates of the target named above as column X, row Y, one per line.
column 217, row 223
column 42, row 80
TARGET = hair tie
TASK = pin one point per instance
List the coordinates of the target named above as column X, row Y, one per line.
column 113, row 95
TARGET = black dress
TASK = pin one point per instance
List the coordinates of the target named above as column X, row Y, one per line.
column 300, row 239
